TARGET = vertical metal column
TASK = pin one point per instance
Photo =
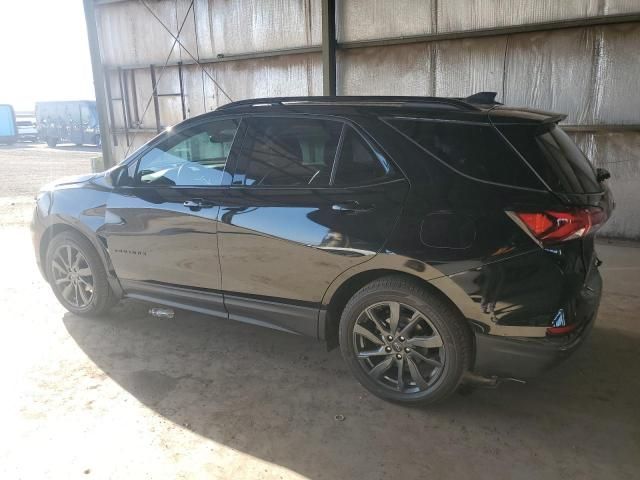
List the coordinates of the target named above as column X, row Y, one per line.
column 154, row 92
column 184, row 107
column 329, row 47
column 112, row 120
column 134, row 95
column 99, row 82
column 124, row 107
column 127, row 102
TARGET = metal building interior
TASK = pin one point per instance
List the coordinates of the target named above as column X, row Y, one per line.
column 581, row 58
column 132, row 395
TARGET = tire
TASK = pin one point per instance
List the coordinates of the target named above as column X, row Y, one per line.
column 423, row 366
column 52, row 142
column 93, row 295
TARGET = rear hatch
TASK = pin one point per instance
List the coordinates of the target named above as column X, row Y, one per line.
column 584, row 199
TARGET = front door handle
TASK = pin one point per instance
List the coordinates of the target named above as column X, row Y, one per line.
column 353, row 207
column 197, row 204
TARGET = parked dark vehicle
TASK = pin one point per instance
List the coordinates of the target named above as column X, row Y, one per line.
column 68, row 122
column 436, row 241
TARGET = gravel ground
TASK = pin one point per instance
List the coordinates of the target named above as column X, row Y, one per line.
column 131, row 396
column 27, row 167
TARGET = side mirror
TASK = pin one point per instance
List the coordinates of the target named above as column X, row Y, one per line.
column 120, row 176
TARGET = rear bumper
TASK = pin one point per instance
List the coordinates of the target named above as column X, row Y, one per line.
column 520, row 357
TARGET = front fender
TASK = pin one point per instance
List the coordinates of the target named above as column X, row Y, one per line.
column 81, row 210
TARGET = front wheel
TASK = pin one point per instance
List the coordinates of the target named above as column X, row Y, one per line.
column 403, row 342
column 77, row 275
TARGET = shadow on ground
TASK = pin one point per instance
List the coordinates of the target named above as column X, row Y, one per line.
column 275, row 396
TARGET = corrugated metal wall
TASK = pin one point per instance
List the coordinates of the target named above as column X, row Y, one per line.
column 591, row 73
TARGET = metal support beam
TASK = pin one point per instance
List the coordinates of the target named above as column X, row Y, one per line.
column 427, row 38
column 230, row 58
column 127, row 103
column 123, row 102
column 154, row 92
column 98, row 82
column 497, row 31
column 602, row 128
column 134, row 95
column 112, row 120
column 180, row 76
column 329, row 45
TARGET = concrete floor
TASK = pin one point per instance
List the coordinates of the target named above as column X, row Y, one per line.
column 131, row 396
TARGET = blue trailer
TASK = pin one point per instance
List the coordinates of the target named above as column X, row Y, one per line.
column 8, row 129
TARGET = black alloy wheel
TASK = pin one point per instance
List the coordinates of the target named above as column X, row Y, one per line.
column 398, row 346
column 404, row 342
column 72, row 276
column 77, row 275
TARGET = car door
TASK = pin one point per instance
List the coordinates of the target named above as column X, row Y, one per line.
column 161, row 219
column 309, row 199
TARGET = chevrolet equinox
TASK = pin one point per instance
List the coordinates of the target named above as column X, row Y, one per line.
column 435, row 240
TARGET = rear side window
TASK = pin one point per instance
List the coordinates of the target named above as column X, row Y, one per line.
column 287, row 152
column 358, row 163
column 555, row 157
column 477, row 151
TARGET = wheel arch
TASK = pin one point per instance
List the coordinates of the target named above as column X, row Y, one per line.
column 339, row 297
column 47, row 236
column 55, row 229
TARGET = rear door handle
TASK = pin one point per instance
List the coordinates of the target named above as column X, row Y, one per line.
column 353, row 207
column 197, row 203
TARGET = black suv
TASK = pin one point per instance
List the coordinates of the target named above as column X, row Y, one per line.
column 435, row 240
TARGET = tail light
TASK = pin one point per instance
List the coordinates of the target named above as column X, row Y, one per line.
column 550, row 226
column 562, row 330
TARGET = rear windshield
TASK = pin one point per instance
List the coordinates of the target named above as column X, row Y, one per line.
column 475, row 150
column 555, row 157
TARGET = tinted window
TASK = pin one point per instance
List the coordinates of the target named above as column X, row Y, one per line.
column 555, row 157
column 475, row 150
column 195, row 156
column 287, row 152
column 359, row 164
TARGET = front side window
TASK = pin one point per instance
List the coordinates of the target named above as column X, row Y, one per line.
column 287, row 152
column 195, row 156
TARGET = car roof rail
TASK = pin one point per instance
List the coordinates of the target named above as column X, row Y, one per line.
column 380, row 101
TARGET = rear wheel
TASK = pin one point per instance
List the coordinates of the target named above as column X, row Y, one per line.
column 404, row 343
column 77, row 275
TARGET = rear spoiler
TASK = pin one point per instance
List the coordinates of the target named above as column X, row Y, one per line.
column 523, row 116
column 489, row 98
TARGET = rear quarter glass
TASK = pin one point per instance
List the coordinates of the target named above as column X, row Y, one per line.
column 475, row 150
column 554, row 156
